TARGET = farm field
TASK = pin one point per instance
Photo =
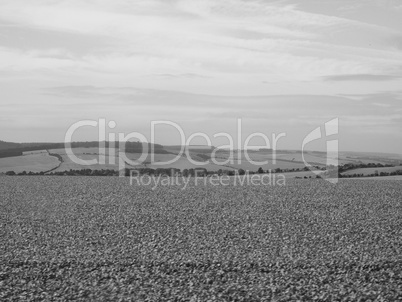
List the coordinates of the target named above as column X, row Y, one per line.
column 368, row 171
column 35, row 152
column 245, row 165
column 393, row 177
column 38, row 162
column 84, row 154
column 285, row 159
column 292, row 157
column 93, row 153
column 301, row 174
column 98, row 238
column 370, row 157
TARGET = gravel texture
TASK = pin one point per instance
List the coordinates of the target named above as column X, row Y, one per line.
column 100, row 239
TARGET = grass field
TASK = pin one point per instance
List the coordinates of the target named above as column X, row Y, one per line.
column 35, row 152
column 292, row 160
column 84, row 154
column 93, row 153
column 372, row 157
column 98, row 238
column 37, row 162
column 284, row 160
column 394, row 177
column 368, row 171
column 301, row 174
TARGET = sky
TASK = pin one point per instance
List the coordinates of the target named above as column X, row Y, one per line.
column 280, row 66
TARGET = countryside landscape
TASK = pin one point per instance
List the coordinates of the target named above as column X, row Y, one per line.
column 306, row 239
column 201, row 150
column 54, row 159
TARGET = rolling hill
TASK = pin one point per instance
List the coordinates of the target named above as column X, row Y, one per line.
column 43, row 157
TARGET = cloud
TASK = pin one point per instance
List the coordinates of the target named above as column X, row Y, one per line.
column 382, row 105
column 268, row 106
column 273, row 62
column 230, row 38
column 362, row 77
column 183, row 75
column 13, row 61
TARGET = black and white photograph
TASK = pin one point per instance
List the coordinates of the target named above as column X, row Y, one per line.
column 201, row 150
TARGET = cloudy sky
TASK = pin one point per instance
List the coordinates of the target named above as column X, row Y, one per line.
column 282, row 66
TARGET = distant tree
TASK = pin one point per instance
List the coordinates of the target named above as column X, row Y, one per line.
column 260, row 170
column 191, row 172
column 10, row 173
column 200, row 172
column 241, row 172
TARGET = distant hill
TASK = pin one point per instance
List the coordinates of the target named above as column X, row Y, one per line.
column 25, row 157
column 9, row 149
column 6, row 145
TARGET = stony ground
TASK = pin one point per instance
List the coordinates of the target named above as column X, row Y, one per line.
column 98, row 238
